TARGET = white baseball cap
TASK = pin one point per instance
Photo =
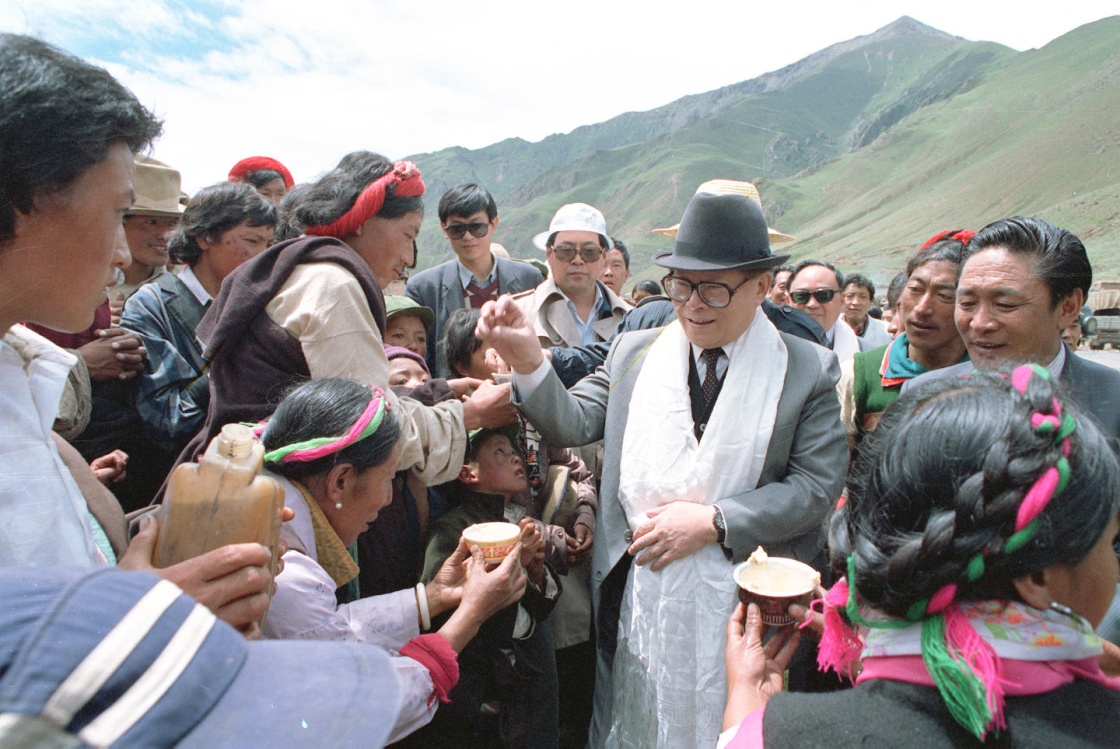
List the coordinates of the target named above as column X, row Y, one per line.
column 575, row 217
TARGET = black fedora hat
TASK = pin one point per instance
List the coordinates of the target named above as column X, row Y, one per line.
column 721, row 232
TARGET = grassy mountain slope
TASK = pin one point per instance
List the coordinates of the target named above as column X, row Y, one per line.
column 1038, row 136
column 861, row 150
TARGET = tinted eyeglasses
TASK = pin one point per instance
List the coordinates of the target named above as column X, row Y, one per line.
column 824, row 296
column 711, row 293
column 566, row 253
column 456, row 231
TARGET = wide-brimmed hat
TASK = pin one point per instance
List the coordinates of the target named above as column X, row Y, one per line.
column 721, row 232
column 575, row 217
column 403, row 305
column 731, row 187
column 157, row 188
column 116, row 658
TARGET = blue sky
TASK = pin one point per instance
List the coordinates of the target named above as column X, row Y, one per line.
column 307, row 82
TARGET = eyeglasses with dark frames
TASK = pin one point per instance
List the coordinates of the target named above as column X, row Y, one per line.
column 566, row 253
column 711, row 293
column 477, row 230
column 824, row 296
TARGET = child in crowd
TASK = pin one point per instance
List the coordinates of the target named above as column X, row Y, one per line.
column 407, row 324
column 391, row 551
column 406, row 368
column 568, row 542
column 507, row 688
column 562, row 494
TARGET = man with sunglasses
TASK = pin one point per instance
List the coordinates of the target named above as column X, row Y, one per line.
column 814, row 288
column 468, row 216
column 573, row 307
column 721, row 434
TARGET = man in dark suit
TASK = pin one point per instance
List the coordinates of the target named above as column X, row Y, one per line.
column 468, row 216
column 734, row 440
column 1022, row 282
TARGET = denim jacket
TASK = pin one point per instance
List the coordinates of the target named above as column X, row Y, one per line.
column 173, row 391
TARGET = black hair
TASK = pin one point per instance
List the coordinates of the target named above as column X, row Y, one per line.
column 776, row 271
column 334, row 193
column 262, row 177
column 459, row 340
column 824, row 264
column 287, row 225
column 466, row 200
column 621, row 247
column 58, row 117
column 650, row 287
column 894, row 290
column 476, row 441
column 948, row 249
column 862, row 281
column 212, row 212
column 1060, row 257
column 942, row 478
column 328, row 407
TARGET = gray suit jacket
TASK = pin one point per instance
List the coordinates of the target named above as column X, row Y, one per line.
column 1094, row 387
column 439, row 289
column 803, row 475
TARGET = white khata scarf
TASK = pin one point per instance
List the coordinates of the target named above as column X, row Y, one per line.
column 669, row 662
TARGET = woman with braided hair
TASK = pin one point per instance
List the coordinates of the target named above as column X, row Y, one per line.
column 334, row 446
column 977, row 542
column 313, row 307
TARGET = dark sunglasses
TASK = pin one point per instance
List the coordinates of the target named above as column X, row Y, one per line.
column 456, row 231
column 568, row 254
column 824, row 296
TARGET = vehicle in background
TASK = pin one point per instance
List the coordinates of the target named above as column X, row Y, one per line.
column 1103, row 327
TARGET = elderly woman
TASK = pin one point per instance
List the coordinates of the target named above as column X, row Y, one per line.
column 335, row 445
column 313, row 307
column 223, row 226
column 978, row 544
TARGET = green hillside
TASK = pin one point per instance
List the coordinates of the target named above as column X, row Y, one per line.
column 862, row 150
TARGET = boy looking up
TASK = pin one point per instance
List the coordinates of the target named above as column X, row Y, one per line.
column 506, row 695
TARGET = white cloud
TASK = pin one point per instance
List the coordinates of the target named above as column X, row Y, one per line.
column 306, row 82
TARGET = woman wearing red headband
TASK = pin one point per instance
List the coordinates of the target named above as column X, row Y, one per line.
column 313, row 307
column 268, row 176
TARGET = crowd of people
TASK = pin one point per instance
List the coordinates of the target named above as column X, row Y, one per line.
column 943, row 458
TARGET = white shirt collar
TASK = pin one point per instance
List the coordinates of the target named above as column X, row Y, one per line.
column 190, row 280
column 830, row 334
column 725, row 360
column 1058, row 362
column 465, row 275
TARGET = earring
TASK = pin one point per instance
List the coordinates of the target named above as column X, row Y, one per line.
column 1064, row 610
column 338, row 506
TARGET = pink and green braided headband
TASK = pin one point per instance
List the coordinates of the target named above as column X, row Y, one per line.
column 313, row 449
column 962, row 665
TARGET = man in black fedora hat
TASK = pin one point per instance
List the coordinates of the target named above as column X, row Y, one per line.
column 734, row 441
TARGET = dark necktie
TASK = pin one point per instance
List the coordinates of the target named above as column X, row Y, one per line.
column 480, row 295
column 711, row 378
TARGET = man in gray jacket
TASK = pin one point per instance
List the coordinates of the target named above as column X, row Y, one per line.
column 734, row 441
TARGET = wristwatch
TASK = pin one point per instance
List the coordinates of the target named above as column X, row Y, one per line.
column 717, row 521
